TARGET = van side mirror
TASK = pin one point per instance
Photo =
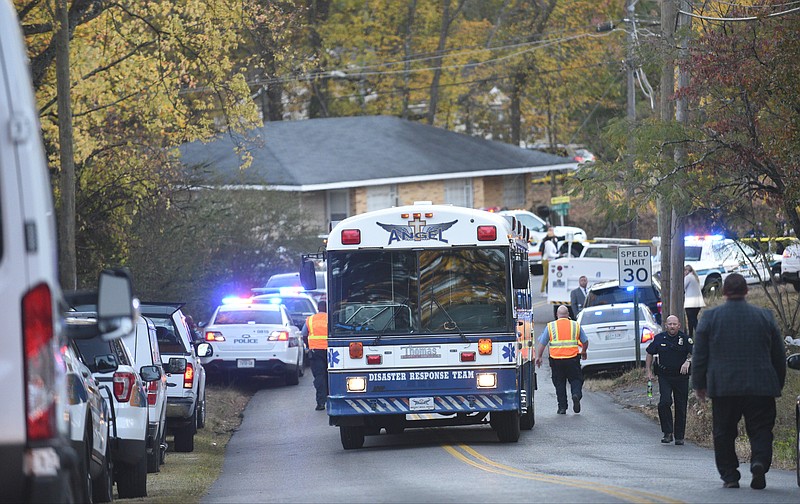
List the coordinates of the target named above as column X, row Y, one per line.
column 149, row 373
column 116, row 307
column 308, row 275
column 176, row 365
column 520, row 274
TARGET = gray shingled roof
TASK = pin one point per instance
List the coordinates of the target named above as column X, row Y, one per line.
column 317, row 154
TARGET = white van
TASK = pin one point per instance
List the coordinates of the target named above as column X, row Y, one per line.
column 37, row 462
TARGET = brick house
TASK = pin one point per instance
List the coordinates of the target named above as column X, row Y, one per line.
column 348, row 165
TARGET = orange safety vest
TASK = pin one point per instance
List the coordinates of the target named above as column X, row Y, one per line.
column 564, row 338
column 318, row 331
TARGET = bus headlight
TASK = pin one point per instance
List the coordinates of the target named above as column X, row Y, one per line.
column 487, row 380
column 356, row 384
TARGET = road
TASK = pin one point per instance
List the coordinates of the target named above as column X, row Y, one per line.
column 286, row 452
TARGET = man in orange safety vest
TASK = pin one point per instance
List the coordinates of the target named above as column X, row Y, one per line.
column 568, row 344
column 315, row 332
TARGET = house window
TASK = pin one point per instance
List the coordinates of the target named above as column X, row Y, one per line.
column 514, row 191
column 338, row 205
column 379, row 197
column 458, row 192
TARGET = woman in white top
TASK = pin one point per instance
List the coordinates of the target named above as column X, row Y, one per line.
column 549, row 251
column 693, row 297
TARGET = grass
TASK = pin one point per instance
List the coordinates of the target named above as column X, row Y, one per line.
column 185, row 477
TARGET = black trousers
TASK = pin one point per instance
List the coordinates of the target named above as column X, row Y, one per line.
column 319, row 368
column 670, row 387
column 691, row 320
column 759, row 419
column 563, row 370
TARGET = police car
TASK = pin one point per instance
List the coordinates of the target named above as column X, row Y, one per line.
column 714, row 257
column 254, row 338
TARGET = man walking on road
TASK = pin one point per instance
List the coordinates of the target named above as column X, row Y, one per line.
column 567, row 340
column 674, row 351
column 316, row 334
column 740, row 363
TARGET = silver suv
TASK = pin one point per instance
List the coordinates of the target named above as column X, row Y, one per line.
column 186, row 378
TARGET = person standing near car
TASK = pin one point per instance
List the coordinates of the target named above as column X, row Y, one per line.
column 549, row 251
column 740, row 363
column 693, row 298
column 577, row 298
column 568, row 345
column 315, row 332
column 674, row 351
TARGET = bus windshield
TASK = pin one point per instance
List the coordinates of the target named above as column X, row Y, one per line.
column 413, row 292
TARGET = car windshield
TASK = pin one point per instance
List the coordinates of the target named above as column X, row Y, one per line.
column 284, row 281
column 604, row 315
column 601, row 252
column 228, row 317
column 617, row 295
column 294, row 305
column 531, row 222
column 419, row 291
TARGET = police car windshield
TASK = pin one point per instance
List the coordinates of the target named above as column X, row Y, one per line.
column 229, row 317
column 407, row 292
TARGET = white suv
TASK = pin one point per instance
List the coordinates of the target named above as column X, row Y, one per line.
column 143, row 345
column 790, row 265
column 255, row 338
column 186, row 378
column 113, row 366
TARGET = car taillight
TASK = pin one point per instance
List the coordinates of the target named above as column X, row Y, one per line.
column 279, row 336
column 152, row 393
column 40, row 362
column 214, row 336
column 659, row 307
column 123, row 385
column 188, row 375
column 647, row 335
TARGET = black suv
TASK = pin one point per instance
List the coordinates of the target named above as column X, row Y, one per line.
column 610, row 292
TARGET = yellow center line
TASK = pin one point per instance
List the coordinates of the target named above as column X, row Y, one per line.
column 485, row 464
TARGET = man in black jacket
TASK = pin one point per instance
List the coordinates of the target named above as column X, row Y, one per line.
column 740, row 363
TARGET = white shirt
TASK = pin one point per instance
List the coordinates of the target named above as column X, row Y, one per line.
column 550, row 250
column 693, row 297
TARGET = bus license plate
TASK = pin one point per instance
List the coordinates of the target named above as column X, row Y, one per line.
column 245, row 363
column 421, row 403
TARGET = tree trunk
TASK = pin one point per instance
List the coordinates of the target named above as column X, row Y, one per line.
column 447, row 20
column 514, row 112
column 67, row 260
column 407, row 39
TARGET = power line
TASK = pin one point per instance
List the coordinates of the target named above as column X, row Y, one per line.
column 751, row 18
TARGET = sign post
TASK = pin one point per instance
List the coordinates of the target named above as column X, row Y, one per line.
column 635, row 271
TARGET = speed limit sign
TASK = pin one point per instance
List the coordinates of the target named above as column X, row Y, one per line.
column 634, row 266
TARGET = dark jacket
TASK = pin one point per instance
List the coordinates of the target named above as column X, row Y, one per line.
column 738, row 351
column 577, row 300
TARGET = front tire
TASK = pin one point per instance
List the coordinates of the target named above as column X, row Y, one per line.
column 352, row 436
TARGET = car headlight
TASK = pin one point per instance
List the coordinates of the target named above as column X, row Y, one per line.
column 356, row 384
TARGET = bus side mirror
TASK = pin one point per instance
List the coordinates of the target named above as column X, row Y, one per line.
column 520, row 274
column 308, row 275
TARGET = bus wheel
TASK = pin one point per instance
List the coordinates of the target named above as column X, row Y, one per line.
column 352, row 436
column 528, row 420
column 507, row 426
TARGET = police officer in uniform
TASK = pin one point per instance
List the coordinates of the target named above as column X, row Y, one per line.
column 674, row 351
column 315, row 332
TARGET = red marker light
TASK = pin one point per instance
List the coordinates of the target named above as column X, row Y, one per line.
column 351, row 236
column 487, row 233
column 467, row 356
column 374, row 359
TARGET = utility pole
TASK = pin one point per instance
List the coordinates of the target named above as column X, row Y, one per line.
column 68, row 262
column 667, row 88
column 631, row 93
column 681, row 116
